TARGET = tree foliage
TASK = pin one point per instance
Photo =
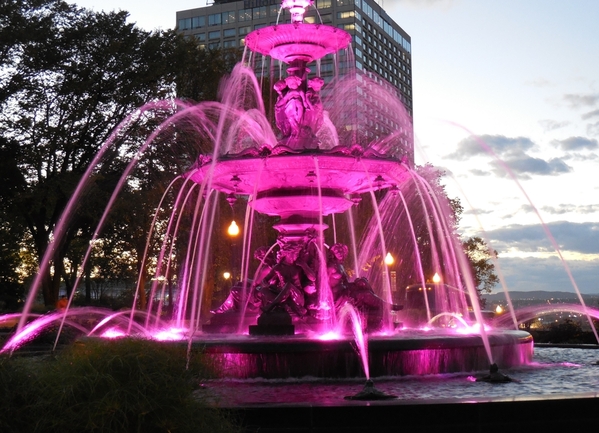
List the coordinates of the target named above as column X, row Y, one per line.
column 481, row 259
column 68, row 77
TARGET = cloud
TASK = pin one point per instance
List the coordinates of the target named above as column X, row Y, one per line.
column 563, row 208
column 585, row 157
column 593, row 129
column 574, row 237
column 577, row 101
column 570, row 208
column 477, row 212
column 488, row 144
column 549, row 274
column 577, row 143
column 539, row 82
column 590, row 114
column 477, row 172
column 552, row 125
column 510, row 153
column 523, row 166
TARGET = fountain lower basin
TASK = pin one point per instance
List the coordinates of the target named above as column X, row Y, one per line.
column 404, row 353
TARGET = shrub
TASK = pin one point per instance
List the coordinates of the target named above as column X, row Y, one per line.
column 121, row 386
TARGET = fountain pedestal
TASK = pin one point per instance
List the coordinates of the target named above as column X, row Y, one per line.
column 276, row 322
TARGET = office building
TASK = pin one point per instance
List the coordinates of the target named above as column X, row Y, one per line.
column 380, row 46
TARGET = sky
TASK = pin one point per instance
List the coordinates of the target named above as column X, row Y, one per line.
column 506, row 101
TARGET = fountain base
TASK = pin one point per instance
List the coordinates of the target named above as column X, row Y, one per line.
column 404, row 353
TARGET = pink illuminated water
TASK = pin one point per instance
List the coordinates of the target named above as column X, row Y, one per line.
column 555, row 373
column 349, row 314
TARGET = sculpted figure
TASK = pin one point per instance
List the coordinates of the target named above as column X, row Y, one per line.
column 282, row 286
column 290, row 106
column 235, row 300
column 280, row 116
column 337, row 277
column 314, row 112
column 295, row 103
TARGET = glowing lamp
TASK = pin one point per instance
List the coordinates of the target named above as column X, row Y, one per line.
column 498, row 309
column 436, row 278
column 226, row 275
column 389, row 260
column 233, row 229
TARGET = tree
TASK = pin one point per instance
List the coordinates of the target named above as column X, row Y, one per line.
column 69, row 76
column 481, row 261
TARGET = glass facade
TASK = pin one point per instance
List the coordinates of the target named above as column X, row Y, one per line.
column 380, row 46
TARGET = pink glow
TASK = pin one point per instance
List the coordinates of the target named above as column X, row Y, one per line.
column 473, row 329
column 112, row 333
column 170, row 334
column 329, row 336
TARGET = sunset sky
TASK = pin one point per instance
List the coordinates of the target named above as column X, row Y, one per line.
column 506, row 100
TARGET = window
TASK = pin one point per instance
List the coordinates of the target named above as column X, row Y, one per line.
column 229, row 32
column 259, row 13
column 367, row 9
column 214, row 35
column 214, row 20
column 245, row 15
column 274, row 10
column 244, row 30
column 228, row 17
column 185, row 24
column 346, row 14
column 324, row 4
column 200, row 37
column 345, row 2
column 230, row 44
column 326, row 18
column 259, row 26
column 197, row 22
column 213, row 46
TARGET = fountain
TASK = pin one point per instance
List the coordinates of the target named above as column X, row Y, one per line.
column 315, row 183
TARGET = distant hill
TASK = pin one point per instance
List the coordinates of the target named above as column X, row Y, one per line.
column 537, row 294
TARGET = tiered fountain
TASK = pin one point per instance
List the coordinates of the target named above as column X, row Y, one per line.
column 294, row 300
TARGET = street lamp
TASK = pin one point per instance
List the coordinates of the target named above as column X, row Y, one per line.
column 233, row 229
column 389, row 260
column 233, row 232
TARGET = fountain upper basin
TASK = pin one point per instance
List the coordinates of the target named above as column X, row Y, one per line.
column 298, row 41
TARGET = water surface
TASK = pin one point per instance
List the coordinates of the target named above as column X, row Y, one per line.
column 554, row 373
